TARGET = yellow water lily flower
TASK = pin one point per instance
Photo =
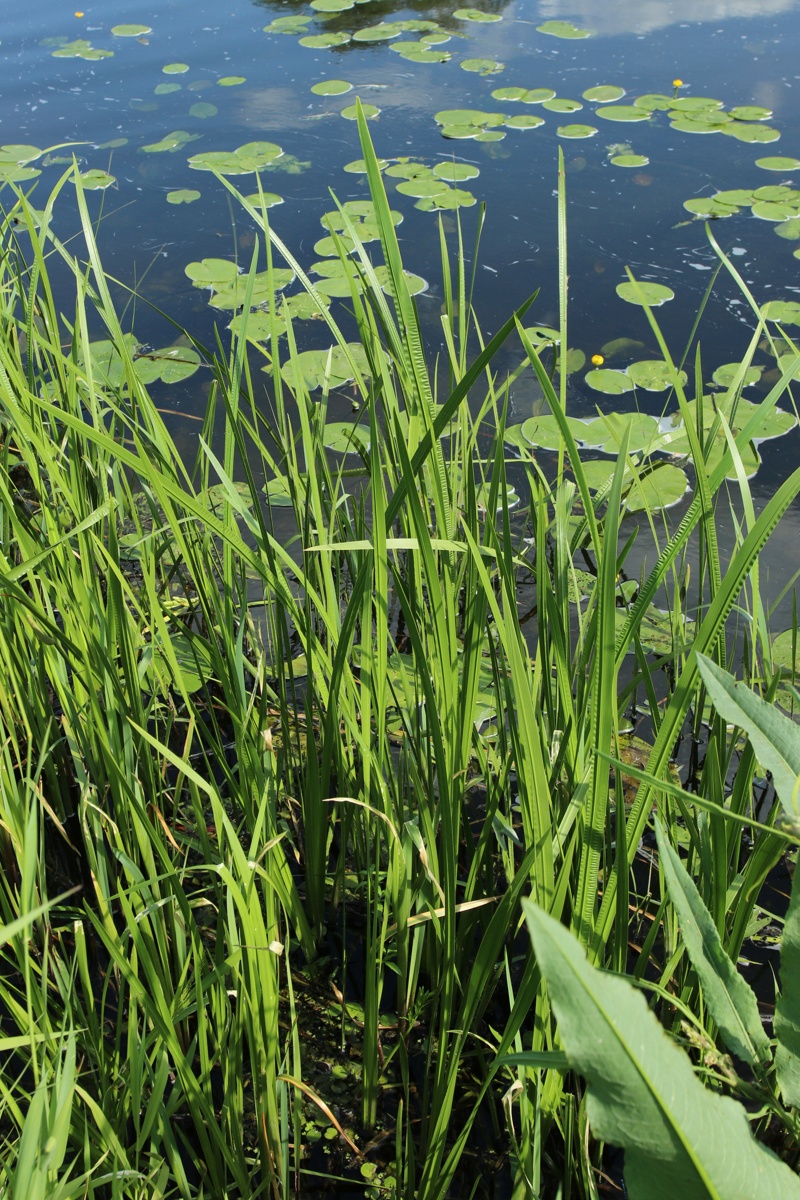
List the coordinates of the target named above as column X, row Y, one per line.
column 677, row 83
column 597, row 360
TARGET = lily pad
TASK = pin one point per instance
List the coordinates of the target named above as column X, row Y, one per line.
column 562, row 29
column 95, row 180
column 130, row 30
column 268, row 199
column 165, row 89
column 649, row 295
column 576, row 131
column 175, row 68
column 623, row 112
column 202, row 110
column 482, row 66
column 778, row 163
column 561, row 104
column 359, row 167
column 660, row 488
column 311, row 368
column 350, row 113
column 231, row 81
column 508, row 93
column 455, row 172
column 654, row 375
column 194, row 663
column 332, row 6
column 751, row 133
column 654, row 102
column 80, row 48
column 170, row 365
column 750, row 112
column 19, row 154
column 789, row 229
column 252, row 156
column 695, row 104
column 613, row 383
column 725, row 375
column 607, row 432
column 324, row 41
column 783, row 312
column 346, row 438
column 708, row 206
column 524, row 121
column 629, row 160
column 295, row 23
column 182, row 196
column 211, row 272
column 332, row 87
column 772, row 211
column 544, row 431
column 475, row 14
column 604, row 94
column 278, row 494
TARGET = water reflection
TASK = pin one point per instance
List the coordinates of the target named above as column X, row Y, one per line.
column 643, row 16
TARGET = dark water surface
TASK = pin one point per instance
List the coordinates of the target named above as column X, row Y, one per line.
column 736, row 51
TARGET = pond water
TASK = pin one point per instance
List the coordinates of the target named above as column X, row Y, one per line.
column 137, row 90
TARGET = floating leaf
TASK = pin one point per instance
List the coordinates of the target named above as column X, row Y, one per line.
column 331, row 87
column 613, row 383
column 770, row 211
column 378, row 33
column 608, row 432
column 654, row 102
column 268, row 199
column 482, row 66
column 170, row 142
column 751, row 133
column 170, row 365
column 359, row 167
column 192, row 657
column 323, row 41
column 346, row 438
column 210, row 272
column 18, row 154
column 734, row 196
column 164, row 89
column 562, row 29
column 750, row 112
column 203, row 110
column 455, row 172
column 231, row 81
column 312, row 368
column 332, row 6
column 95, row 180
column 175, row 68
column 654, row 375
column 725, row 375
column 776, row 163
column 576, row 131
column 789, row 229
column 660, row 488
column 130, row 30
column 475, row 14
column 252, row 156
column 649, row 295
column 80, row 48
column 182, row 196
column 623, row 112
column 604, row 94
column 708, row 206
column 525, row 121
column 291, row 24
column 279, row 496
column 561, row 105
column 629, row 160
column 508, row 93
column 545, row 432
column 695, row 104
column 350, row 113
column 783, row 312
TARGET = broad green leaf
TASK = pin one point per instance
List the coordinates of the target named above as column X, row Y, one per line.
column 650, row 295
column 130, row 30
column 576, row 131
column 680, row 1140
column 605, row 379
column 604, row 94
column 778, row 163
column 623, row 112
column 731, row 1001
column 629, row 160
column 475, row 14
column 787, row 1008
column 562, row 29
column 346, row 438
column 775, row 738
column 331, row 87
column 654, row 375
column 183, row 196
column 561, row 104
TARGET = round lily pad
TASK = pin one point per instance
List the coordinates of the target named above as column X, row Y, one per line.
column 695, row 103
column 182, row 196
column 231, row 81
column 750, row 112
column 789, row 229
column 654, row 375
column 359, row 167
column 778, row 163
column 544, row 431
column 524, row 121
column 277, row 493
column 561, row 104
column 783, row 312
column 482, row 66
column 537, row 95
column 324, row 41
column 268, row 199
column 455, row 172
column 170, row 365
column 608, row 432
column 660, row 488
column 508, row 93
column 576, row 131
column 130, row 30
column 613, row 383
column 346, row 438
column 475, row 14
column 164, row 89
column 751, row 133
column 629, row 160
column 772, row 211
column 725, row 375
column 175, row 68
column 734, row 196
column 604, row 94
column 708, row 206
column 331, row 87
column 211, row 271
column 378, row 33
column 423, row 187
column 623, row 112
column 332, row 6
column 649, row 295
column 202, row 110
column 313, row 367
column 95, row 180
column 350, row 113
column 654, row 102
column 562, row 29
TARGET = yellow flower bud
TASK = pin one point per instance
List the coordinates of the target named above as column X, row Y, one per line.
column 597, row 360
